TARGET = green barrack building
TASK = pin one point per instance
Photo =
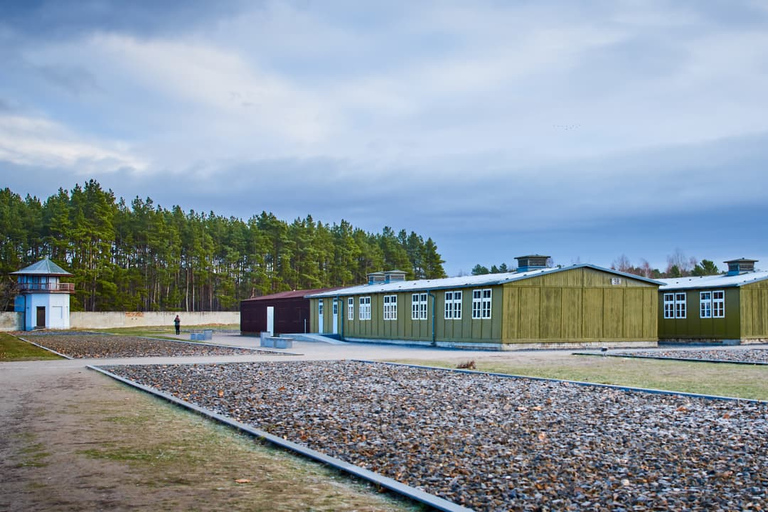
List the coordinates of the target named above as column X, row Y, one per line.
column 727, row 308
column 535, row 307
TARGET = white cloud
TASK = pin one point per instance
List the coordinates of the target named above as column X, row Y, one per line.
column 39, row 142
column 220, row 82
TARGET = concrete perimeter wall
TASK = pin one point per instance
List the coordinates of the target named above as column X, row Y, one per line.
column 10, row 321
column 84, row 320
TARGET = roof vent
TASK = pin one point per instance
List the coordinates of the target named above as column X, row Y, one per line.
column 394, row 276
column 532, row 262
column 740, row 266
column 376, row 277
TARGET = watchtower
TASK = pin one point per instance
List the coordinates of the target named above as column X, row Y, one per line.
column 42, row 298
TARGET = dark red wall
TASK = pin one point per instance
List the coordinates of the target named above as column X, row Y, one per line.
column 291, row 315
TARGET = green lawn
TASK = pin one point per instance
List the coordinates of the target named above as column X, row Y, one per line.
column 13, row 349
column 719, row 379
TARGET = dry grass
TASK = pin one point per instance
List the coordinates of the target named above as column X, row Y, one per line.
column 691, row 377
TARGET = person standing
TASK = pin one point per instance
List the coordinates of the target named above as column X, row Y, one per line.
column 177, row 324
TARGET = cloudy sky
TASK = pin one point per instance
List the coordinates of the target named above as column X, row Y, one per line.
column 581, row 130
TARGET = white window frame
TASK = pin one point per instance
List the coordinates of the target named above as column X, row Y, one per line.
column 705, row 304
column 364, row 311
column 390, row 307
column 681, row 305
column 351, row 308
column 481, row 304
column 718, row 304
column 419, row 306
column 669, row 305
column 453, row 305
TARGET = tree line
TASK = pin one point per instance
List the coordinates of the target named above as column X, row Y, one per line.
column 678, row 265
column 143, row 257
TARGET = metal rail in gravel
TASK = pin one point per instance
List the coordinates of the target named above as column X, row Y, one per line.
column 575, row 382
column 385, row 482
column 680, row 359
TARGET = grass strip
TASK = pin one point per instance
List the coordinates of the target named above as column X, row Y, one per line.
column 14, row 349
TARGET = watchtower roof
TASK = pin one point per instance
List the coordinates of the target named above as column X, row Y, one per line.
column 44, row 267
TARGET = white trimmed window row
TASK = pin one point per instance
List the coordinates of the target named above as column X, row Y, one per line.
column 481, row 306
column 711, row 304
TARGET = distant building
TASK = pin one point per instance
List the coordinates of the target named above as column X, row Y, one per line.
column 536, row 306
column 279, row 313
column 727, row 308
column 42, row 298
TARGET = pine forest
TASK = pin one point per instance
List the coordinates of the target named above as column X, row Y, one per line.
column 143, row 257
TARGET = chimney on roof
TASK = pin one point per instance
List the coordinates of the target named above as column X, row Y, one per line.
column 740, row 266
column 532, row 262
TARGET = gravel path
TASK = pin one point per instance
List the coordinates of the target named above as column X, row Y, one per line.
column 494, row 443
column 100, row 346
column 746, row 356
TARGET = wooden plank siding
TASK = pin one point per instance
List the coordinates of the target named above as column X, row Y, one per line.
column 754, row 311
column 580, row 305
column 693, row 327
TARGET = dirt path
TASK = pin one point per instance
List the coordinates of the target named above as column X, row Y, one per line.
column 72, row 439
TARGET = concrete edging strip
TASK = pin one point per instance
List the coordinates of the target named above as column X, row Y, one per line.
column 46, row 349
column 388, row 483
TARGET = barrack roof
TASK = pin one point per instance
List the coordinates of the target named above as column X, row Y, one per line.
column 293, row 294
column 716, row 281
column 466, row 281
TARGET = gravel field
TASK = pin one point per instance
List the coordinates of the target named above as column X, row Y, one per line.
column 100, row 346
column 494, row 443
column 746, row 356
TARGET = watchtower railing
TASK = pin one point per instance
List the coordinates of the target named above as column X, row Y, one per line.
column 46, row 287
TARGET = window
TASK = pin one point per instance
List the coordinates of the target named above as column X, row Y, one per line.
column 453, row 305
column 481, row 303
column 712, row 304
column 680, row 305
column 320, row 307
column 335, row 307
column 364, row 312
column 669, row 305
column 419, row 306
column 718, row 304
column 674, row 305
column 390, row 307
column 350, row 308
column 705, row 305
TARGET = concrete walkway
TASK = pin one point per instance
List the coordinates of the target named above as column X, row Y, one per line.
column 320, row 350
